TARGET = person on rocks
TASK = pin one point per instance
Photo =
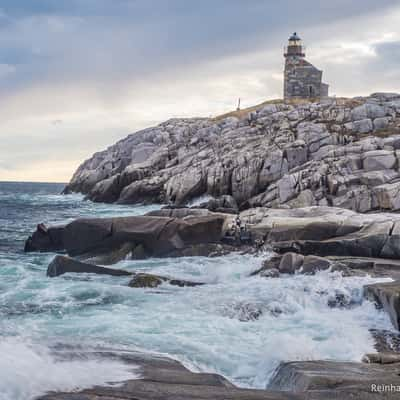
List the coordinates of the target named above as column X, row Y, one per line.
column 238, row 222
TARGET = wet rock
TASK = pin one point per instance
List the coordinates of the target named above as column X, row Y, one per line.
column 309, row 265
column 290, row 263
column 203, row 250
column 158, row 236
column 62, row 265
column 269, row 264
column 124, row 252
column 312, row 264
column 161, row 378
column 324, row 231
column 340, row 380
column 270, row 273
column 382, row 358
column 386, row 295
column 143, row 280
column 138, row 252
column 373, row 266
column 386, row 341
column 45, row 239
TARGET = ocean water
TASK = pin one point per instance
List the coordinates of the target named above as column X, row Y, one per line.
column 236, row 325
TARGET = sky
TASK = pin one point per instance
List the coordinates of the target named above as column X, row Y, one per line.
column 77, row 75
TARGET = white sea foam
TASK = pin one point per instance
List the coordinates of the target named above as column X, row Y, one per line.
column 198, row 200
column 28, row 370
column 236, row 325
column 288, row 318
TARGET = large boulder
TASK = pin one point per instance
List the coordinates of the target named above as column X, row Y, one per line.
column 386, row 295
column 107, row 190
column 189, row 184
column 157, row 236
column 290, row 263
column 313, row 264
column 148, row 190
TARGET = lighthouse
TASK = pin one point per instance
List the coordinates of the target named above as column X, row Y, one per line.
column 301, row 79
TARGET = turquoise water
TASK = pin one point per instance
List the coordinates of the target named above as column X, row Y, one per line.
column 209, row 328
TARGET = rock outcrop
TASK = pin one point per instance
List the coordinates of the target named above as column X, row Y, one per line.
column 118, row 238
column 326, row 231
column 340, row 152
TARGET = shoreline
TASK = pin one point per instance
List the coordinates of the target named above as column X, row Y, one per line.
column 130, row 229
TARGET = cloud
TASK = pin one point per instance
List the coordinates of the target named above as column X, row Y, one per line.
column 108, row 67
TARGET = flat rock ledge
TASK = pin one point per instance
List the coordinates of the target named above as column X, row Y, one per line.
column 165, row 379
column 339, row 380
column 326, row 231
column 291, row 263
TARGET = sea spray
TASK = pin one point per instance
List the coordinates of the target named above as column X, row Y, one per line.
column 236, row 325
column 28, row 370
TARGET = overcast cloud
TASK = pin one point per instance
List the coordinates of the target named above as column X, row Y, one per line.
column 77, row 75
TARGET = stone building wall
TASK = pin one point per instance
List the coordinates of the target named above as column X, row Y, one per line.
column 303, row 80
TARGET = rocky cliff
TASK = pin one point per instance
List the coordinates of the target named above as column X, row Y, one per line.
column 340, row 152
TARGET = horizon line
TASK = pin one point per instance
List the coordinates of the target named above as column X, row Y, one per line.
column 43, row 182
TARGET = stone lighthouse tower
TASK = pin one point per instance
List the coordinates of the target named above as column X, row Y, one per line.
column 302, row 80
